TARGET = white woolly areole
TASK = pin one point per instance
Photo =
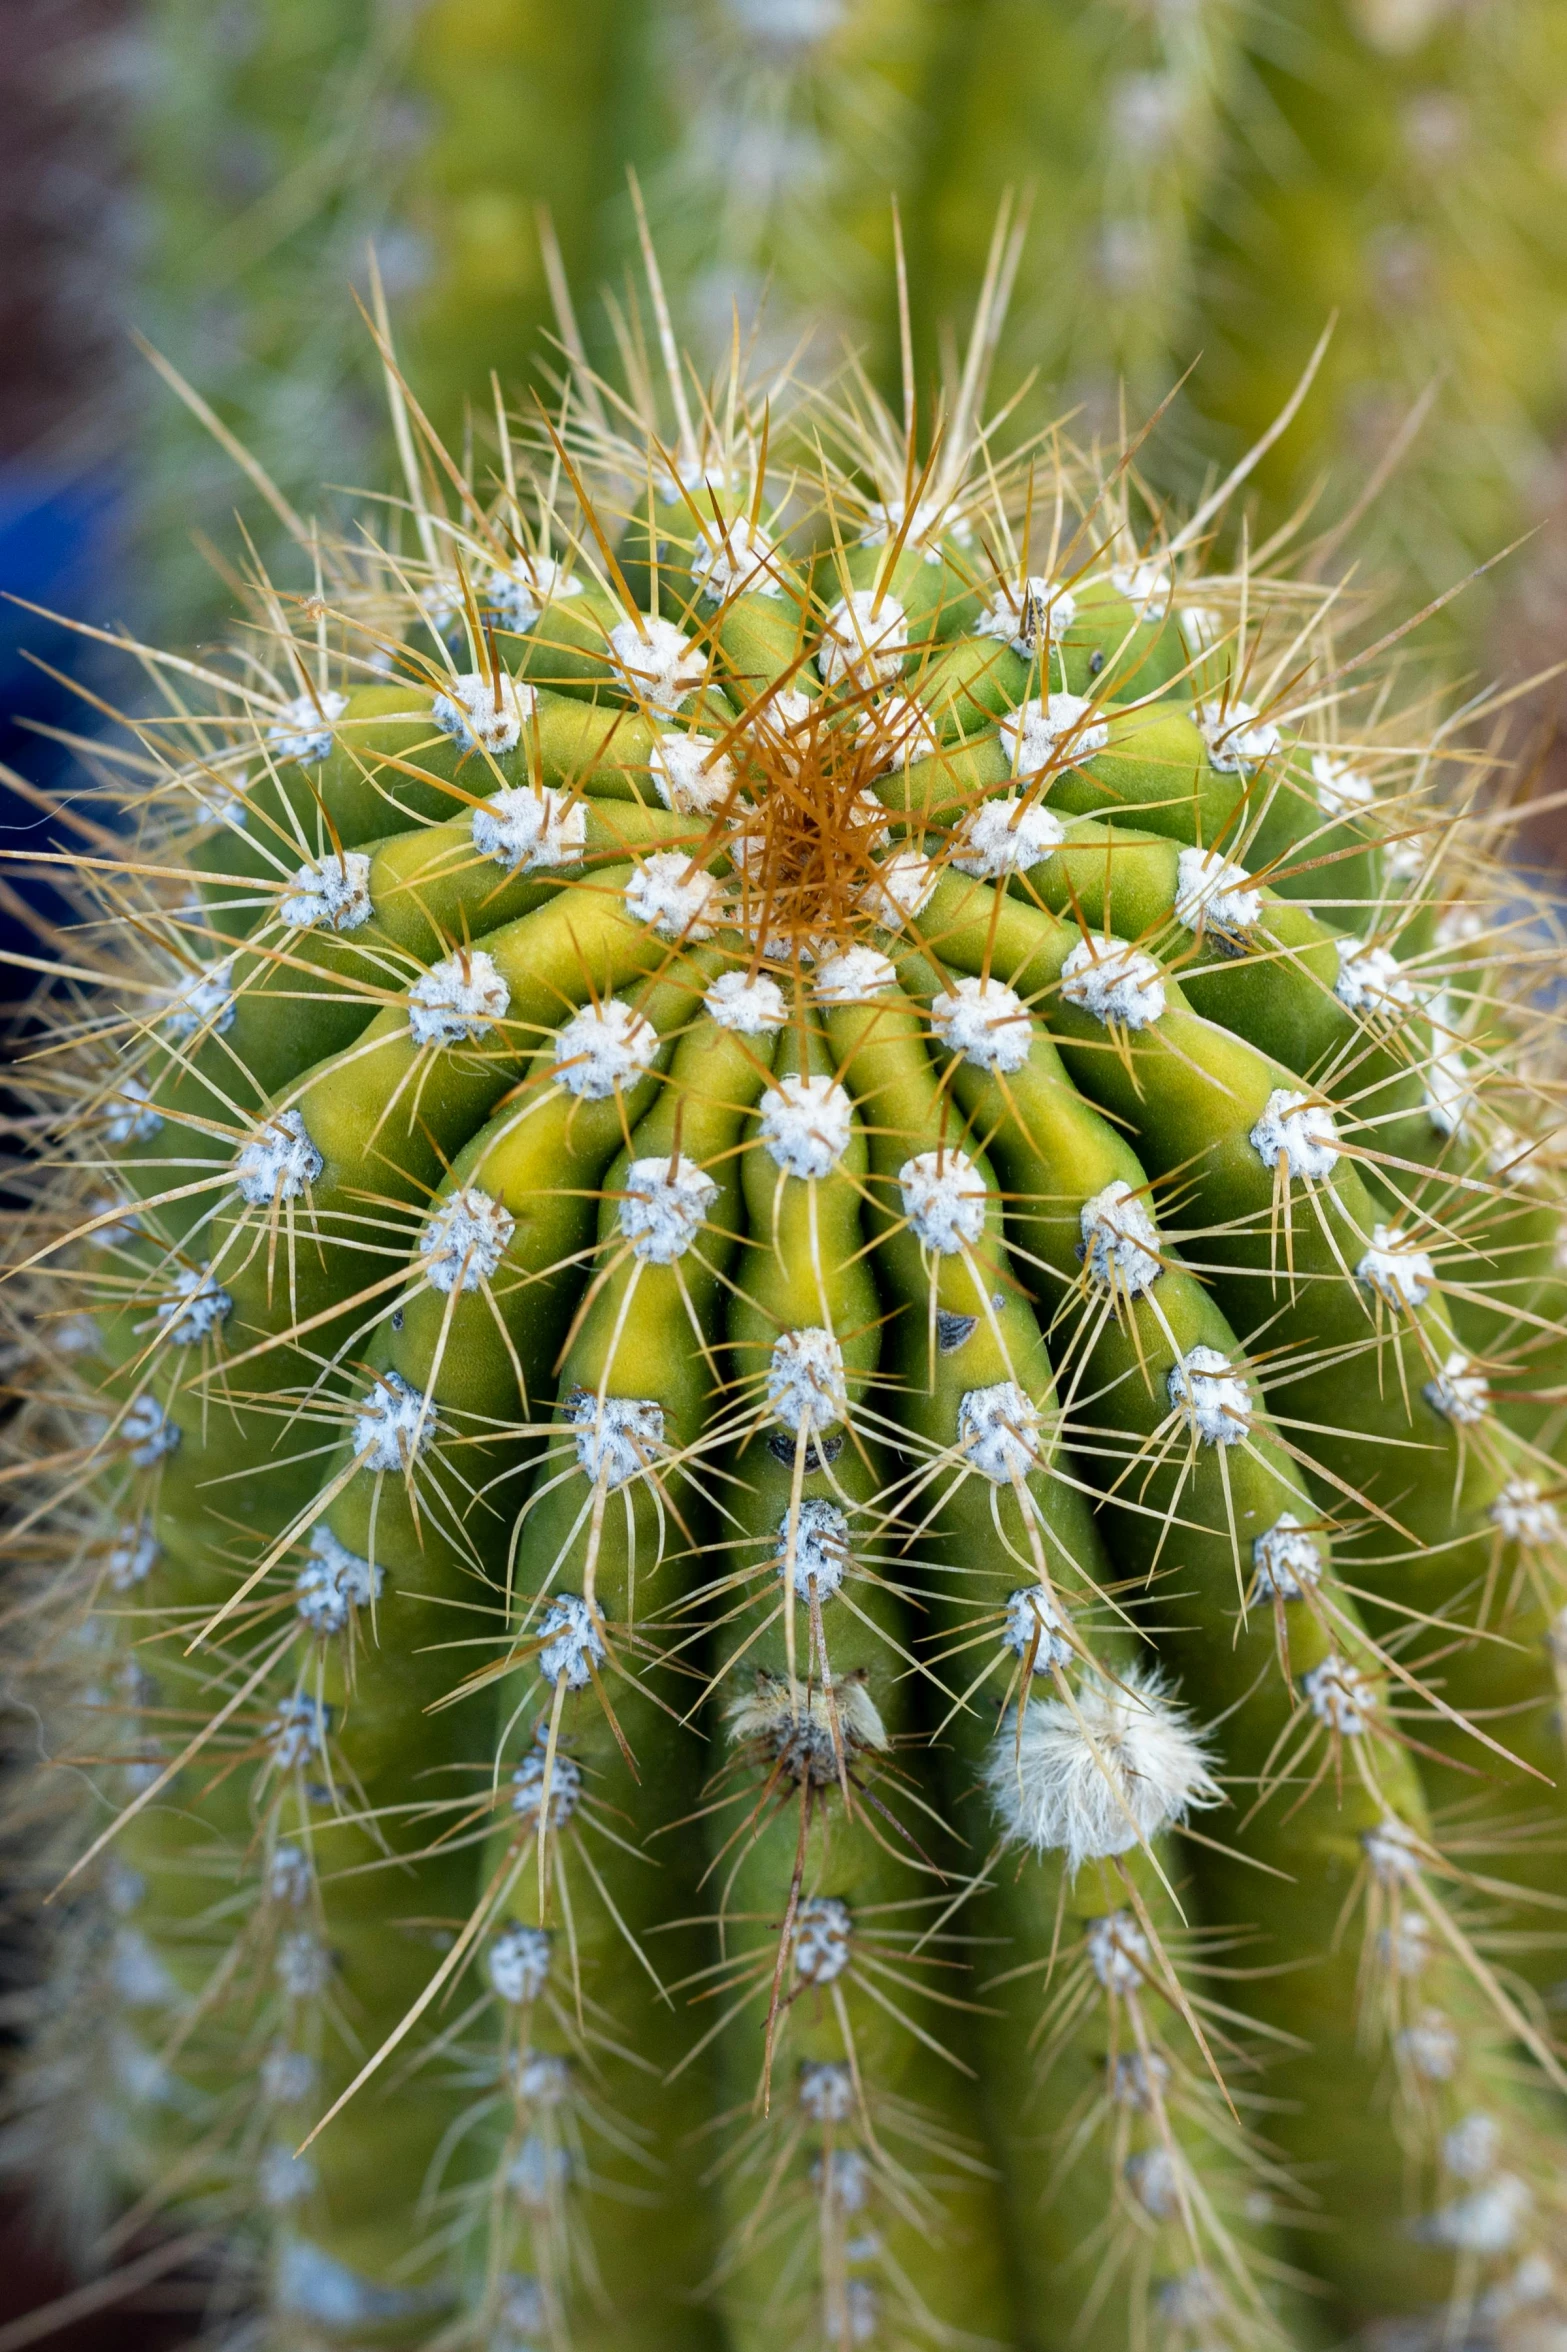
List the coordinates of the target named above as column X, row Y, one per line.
column 333, row 1583
column 1449, row 1089
column 310, row 2284
column 459, row 999
column 1148, row 585
column 1372, row 980
column 1201, row 625
column 853, row 976
column 196, row 1308
column 1405, row 1948
column 115, row 1235
column 1393, row 1267
column 1052, row 731
column 330, row 893
column 885, row 517
column 1236, row 737
column 618, row 1438
column 1212, row 893
column 1287, row 1560
column 538, row 2174
column 1006, row 836
column 441, row 600
column 484, row 713
column 603, row 1047
column 302, row 1964
column 1156, row 2181
column 864, row 640
column 527, row 1788
column 673, row 894
column 1510, row 1156
column 818, row 1541
column 826, row 2091
column 984, row 1021
column 1210, row 1397
column 897, row 730
column 1342, row 791
column 283, row 2178
column 288, row 2077
column 748, row 1003
column 147, row 1432
column 805, row 1383
column 1021, row 616
column 1033, row 1622
column 572, row 1642
column 542, row 2078
column 1431, row 2047
column 128, row 1115
column 202, row 1000
column 999, row 1432
column 526, row 827
column 1138, row 2080
column 464, row 1239
column 901, row 887
column 806, row 1125
column 808, row 1729
column 520, row 590
column 1340, row 1695
column 733, row 556
column 132, row 1556
column 1486, row 2222
column 1112, row 981
column 1296, row 1128
column 666, row 1202
column 297, row 1732
column 304, row 731
column 394, row 1425
column 1120, row 1241
column 1471, row 2148
column 690, row 774
column 843, row 2177
column 1393, row 1851
column 1095, row 1777
column 1118, row 1952
column 1459, row 1392
column 943, row 1200
column 657, row 661
column 137, row 1975
column 289, row 1877
column 518, row 1963
column 278, row 1163
column 1523, row 1514
column 823, row 1929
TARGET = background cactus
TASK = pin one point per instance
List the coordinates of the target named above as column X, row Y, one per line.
column 779, row 1365
column 1209, row 182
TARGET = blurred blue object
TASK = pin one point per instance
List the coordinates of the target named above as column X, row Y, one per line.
column 57, row 537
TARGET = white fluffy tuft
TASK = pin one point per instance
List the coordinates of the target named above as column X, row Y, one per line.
column 1103, row 1774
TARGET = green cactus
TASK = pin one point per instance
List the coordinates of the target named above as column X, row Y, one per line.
column 774, row 1343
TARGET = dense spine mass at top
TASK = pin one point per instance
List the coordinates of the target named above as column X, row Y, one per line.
column 787, row 1360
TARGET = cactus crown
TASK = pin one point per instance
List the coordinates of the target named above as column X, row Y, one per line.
column 788, row 1327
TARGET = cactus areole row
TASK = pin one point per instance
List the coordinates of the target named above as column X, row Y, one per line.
column 784, row 1360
